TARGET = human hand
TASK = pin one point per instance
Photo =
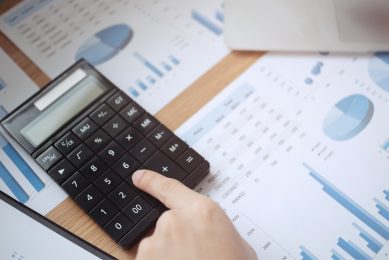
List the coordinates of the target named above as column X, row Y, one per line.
column 193, row 227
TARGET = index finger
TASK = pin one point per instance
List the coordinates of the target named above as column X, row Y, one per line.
column 172, row 193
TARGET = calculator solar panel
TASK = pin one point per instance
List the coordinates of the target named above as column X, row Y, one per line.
column 90, row 138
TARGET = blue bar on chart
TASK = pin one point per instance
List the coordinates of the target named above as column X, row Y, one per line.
column 306, row 254
column 372, row 243
column 353, row 250
column 12, row 184
column 3, row 112
column 207, row 23
column 150, row 79
column 350, row 205
column 219, row 15
column 141, row 85
column 166, row 66
column 386, row 192
column 148, row 65
column 24, row 11
column 174, row 60
column 133, row 92
column 193, row 135
column 383, row 210
column 385, row 145
column 21, row 164
column 336, row 255
column 2, row 84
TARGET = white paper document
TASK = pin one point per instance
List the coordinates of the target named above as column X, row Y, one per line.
column 299, row 153
column 23, row 237
column 20, row 176
column 151, row 49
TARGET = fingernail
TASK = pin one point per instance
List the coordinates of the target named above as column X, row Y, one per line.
column 137, row 175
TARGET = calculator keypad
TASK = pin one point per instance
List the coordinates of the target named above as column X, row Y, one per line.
column 94, row 163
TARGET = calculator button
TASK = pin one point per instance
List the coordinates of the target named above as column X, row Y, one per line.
column 160, row 135
column 62, row 171
column 189, row 160
column 111, row 153
column 89, row 198
column 131, row 237
column 102, row 114
column 108, row 182
column 174, row 147
column 131, row 112
column 85, row 128
column 93, row 169
column 197, row 175
column 122, row 195
column 129, row 138
column 98, row 140
column 75, row 184
column 115, row 126
column 143, row 150
column 125, row 166
column 118, row 226
column 67, row 143
column 137, row 209
column 118, row 101
column 162, row 164
column 103, row 212
column 80, row 155
column 145, row 124
column 48, row 158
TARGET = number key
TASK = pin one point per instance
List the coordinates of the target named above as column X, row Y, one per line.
column 118, row 226
column 75, row 184
column 89, row 198
column 107, row 182
column 125, row 166
column 137, row 209
column 93, row 169
column 103, row 212
column 122, row 195
column 111, row 153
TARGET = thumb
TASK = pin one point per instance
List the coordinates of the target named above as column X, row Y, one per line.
column 172, row 193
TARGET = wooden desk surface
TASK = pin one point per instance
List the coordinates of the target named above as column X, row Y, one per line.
column 67, row 214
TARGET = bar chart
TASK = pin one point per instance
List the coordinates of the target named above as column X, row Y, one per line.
column 24, row 169
column 153, row 72
column 207, row 22
column 370, row 228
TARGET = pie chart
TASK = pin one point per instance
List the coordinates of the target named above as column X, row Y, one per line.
column 348, row 117
column 379, row 70
column 105, row 44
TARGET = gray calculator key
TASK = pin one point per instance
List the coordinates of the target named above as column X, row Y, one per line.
column 48, row 158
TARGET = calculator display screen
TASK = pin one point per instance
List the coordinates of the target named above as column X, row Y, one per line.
column 62, row 110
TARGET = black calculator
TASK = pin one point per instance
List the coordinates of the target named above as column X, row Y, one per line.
column 90, row 138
